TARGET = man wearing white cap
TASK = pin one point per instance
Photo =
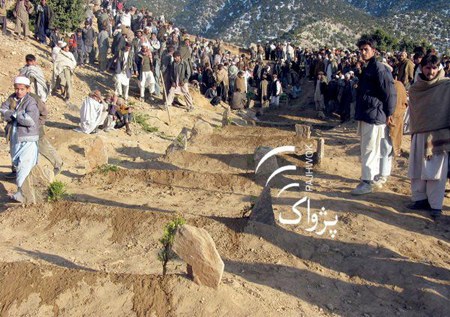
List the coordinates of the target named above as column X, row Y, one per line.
column 56, row 50
column 21, row 112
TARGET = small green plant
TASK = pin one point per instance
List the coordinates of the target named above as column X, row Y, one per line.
column 56, row 191
column 166, row 253
column 106, row 168
column 164, row 136
column 141, row 119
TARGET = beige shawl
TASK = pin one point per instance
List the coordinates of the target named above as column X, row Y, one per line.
column 430, row 112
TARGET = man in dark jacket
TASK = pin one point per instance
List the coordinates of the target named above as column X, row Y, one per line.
column 179, row 79
column 375, row 103
column 89, row 36
column 44, row 21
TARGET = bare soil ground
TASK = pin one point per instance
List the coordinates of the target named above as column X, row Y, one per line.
column 95, row 254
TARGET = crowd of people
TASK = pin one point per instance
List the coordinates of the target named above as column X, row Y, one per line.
column 380, row 90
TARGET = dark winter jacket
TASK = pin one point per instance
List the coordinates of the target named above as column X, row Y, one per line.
column 180, row 70
column 376, row 96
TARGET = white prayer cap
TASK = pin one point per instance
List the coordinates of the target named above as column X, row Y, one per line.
column 60, row 43
column 63, row 44
column 22, row 80
column 146, row 44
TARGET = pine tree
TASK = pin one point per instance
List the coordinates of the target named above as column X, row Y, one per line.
column 69, row 14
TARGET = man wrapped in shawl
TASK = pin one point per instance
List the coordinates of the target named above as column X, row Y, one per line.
column 93, row 113
column 63, row 69
column 36, row 76
column 430, row 127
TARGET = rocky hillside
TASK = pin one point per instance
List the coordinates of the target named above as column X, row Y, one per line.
column 311, row 23
column 386, row 7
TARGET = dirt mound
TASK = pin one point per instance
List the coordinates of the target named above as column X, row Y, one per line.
column 244, row 144
column 215, row 163
column 177, row 178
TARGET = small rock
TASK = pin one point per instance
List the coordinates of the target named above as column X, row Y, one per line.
column 180, row 143
column 96, row 154
column 269, row 166
column 202, row 127
column 263, row 211
column 35, row 187
column 330, row 307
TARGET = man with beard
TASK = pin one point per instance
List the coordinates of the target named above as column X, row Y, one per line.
column 430, row 145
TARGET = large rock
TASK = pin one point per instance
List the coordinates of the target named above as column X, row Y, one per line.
column 180, row 143
column 96, row 154
column 263, row 211
column 35, row 187
column 270, row 165
column 196, row 247
column 202, row 127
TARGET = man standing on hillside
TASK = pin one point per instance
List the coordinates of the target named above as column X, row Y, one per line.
column 179, row 78
column 44, row 21
column 103, row 47
column 4, row 7
column 34, row 73
column 63, row 69
column 21, row 113
column 430, row 145
column 22, row 13
column 375, row 104
column 405, row 70
column 89, row 36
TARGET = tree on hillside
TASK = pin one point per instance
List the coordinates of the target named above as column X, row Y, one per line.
column 386, row 42
column 68, row 13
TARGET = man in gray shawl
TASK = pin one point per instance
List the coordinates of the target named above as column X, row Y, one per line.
column 36, row 76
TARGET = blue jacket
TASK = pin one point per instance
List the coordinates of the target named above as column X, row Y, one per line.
column 376, row 96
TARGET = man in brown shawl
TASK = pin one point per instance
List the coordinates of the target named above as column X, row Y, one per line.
column 22, row 13
column 430, row 127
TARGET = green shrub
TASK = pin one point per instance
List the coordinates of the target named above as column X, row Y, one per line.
column 141, row 119
column 166, row 253
column 56, row 191
column 69, row 14
column 106, row 168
